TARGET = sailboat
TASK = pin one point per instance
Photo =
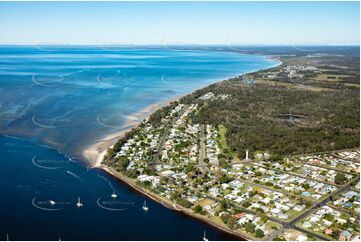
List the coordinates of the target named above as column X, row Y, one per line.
column 79, row 204
column 114, row 195
column 7, row 237
column 145, row 208
column 205, row 236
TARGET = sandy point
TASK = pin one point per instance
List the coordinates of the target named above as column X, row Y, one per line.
column 95, row 153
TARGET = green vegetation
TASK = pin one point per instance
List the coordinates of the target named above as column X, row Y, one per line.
column 273, row 116
column 340, row 178
column 253, row 117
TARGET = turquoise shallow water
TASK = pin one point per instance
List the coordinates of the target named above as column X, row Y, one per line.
column 60, row 100
column 70, row 97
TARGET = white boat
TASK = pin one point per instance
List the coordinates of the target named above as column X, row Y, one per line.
column 114, row 195
column 145, row 208
column 205, row 236
column 79, row 204
column 52, row 203
column 7, row 237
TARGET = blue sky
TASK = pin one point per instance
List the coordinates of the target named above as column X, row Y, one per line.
column 179, row 23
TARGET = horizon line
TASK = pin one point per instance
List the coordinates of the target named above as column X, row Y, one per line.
column 188, row 44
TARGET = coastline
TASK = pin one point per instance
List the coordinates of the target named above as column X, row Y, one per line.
column 96, row 152
column 167, row 203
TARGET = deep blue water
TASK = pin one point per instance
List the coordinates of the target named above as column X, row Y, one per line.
column 60, row 100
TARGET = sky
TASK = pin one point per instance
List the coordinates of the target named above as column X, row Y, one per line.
column 110, row 23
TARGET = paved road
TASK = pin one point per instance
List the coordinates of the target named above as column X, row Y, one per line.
column 275, row 190
column 164, row 137
column 202, row 150
column 334, row 169
column 275, row 234
column 160, row 146
column 292, row 224
column 322, row 203
column 294, row 174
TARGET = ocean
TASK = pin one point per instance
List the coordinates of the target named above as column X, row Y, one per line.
column 56, row 101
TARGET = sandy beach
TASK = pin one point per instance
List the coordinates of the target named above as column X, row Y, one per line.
column 95, row 153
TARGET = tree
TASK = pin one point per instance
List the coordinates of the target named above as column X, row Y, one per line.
column 259, row 233
column 231, row 222
column 258, row 173
column 246, row 204
column 250, row 227
column 340, row 178
column 224, row 204
column 264, row 218
column 305, row 186
column 197, row 209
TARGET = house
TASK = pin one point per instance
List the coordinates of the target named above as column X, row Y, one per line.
column 301, row 237
column 315, row 219
column 307, row 225
column 306, row 194
column 275, row 211
column 328, row 231
column 239, row 215
column 283, row 216
column 299, row 208
column 327, row 223
column 167, row 173
column 345, row 235
column 192, row 199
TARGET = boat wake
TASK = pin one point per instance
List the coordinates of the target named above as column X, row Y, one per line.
column 74, row 175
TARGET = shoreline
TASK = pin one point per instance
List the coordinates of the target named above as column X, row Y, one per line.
column 96, row 152
column 167, row 203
